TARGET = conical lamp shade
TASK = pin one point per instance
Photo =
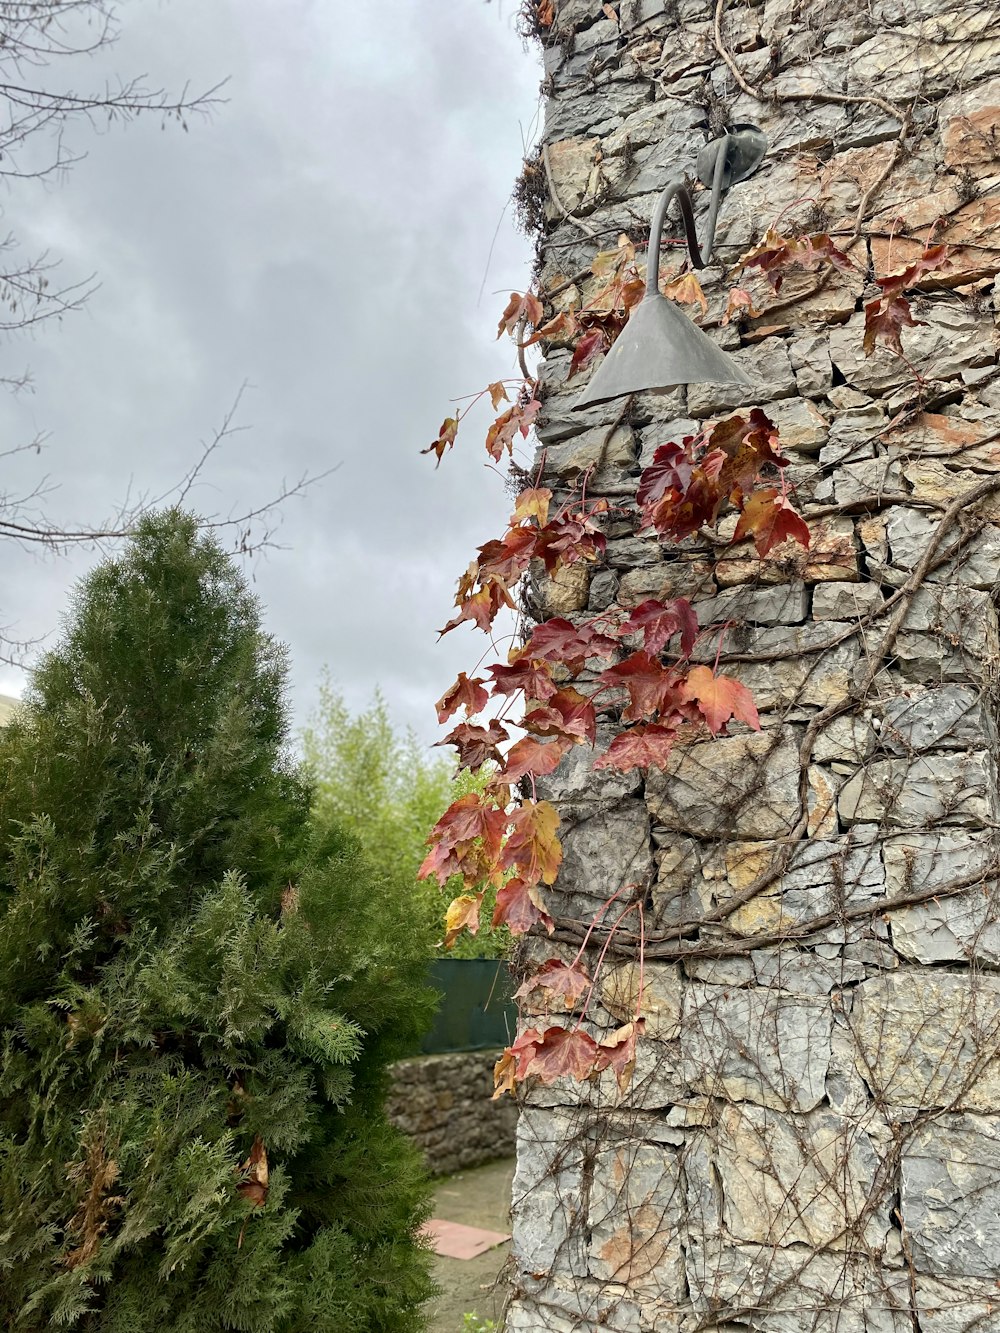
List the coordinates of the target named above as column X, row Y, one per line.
column 659, row 347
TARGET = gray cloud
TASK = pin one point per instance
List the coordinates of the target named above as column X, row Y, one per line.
column 324, row 237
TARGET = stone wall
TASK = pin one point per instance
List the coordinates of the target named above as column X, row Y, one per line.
column 812, row 1137
column 442, row 1103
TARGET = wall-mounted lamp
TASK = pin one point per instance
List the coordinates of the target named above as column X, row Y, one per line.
column 659, row 346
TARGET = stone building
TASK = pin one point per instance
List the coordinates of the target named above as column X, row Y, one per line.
column 811, row 1141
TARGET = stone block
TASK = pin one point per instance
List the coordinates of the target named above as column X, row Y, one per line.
column 845, row 601
column 776, row 1290
column 547, row 1197
column 770, row 1048
column 960, row 928
column 810, row 359
column 950, row 339
column 929, row 1039
column 745, row 785
column 955, row 1304
column 576, row 783
column 951, row 1196
column 862, row 483
column 564, row 592
column 939, row 789
column 847, row 739
column 808, row 676
column 936, row 483
column 803, row 1179
column 782, row 604
column 948, row 717
column 603, row 851
column 661, row 996
column 636, row 1218
column 667, row 579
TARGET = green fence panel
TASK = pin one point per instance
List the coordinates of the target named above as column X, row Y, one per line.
column 477, row 1010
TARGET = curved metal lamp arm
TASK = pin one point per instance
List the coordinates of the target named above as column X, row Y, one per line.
column 678, row 190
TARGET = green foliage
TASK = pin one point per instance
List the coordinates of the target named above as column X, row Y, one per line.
column 189, row 969
column 383, row 786
column 473, row 1323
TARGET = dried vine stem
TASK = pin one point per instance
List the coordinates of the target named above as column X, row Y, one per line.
column 818, row 95
column 554, row 193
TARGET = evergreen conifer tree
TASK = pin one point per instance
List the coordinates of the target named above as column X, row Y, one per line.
column 199, row 992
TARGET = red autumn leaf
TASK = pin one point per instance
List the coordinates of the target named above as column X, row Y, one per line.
column 770, row 520
column 588, row 346
column 933, row 259
column 569, row 538
column 563, row 326
column 539, row 758
column 526, row 307
column 519, row 417
column 720, row 698
column 476, row 745
column 617, row 1052
column 669, row 471
column 559, row 640
column 254, row 1170
column 482, row 607
column 567, row 713
column 508, row 558
column 498, row 394
column 465, row 693
column 660, row 621
column 545, row 13
column 533, row 503
column 885, row 320
column 463, row 914
column 445, row 438
column 469, row 832
column 776, row 252
column 560, row 979
column 519, row 907
column 532, row 847
column 528, row 674
column 645, row 746
column 557, row 1053
column 651, row 687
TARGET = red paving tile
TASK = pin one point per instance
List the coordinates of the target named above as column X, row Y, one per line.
column 452, row 1240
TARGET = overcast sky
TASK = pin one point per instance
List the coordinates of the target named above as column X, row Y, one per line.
column 337, row 235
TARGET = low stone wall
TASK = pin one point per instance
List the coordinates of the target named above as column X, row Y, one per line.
column 442, row 1103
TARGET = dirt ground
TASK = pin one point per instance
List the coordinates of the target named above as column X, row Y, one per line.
column 477, row 1198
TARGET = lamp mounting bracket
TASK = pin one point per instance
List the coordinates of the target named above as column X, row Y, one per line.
column 744, row 146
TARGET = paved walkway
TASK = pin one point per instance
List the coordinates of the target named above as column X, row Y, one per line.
column 479, row 1198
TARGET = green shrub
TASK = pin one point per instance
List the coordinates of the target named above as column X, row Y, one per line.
column 383, row 785
column 195, row 984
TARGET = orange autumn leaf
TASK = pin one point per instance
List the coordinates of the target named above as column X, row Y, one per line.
column 445, row 438
column 533, row 503
column 686, row 289
column 770, row 520
column 719, row 698
column 539, row 758
column 526, row 307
